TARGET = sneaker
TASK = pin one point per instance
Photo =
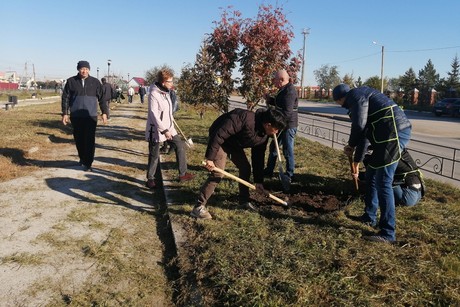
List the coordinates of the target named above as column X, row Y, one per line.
column 151, row 184
column 249, row 206
column 201, row 212
column 87, row 168
column 186, row 177
column 379, row 239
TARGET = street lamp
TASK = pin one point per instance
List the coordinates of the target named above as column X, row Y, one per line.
column 381, row 66
column 305, row 32
column 108, row 70
column 128, row 78
column 98, row 73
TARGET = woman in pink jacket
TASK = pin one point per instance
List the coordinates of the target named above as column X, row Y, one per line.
column 160, row 128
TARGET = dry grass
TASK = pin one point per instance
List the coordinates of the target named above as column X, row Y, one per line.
column 242, row 258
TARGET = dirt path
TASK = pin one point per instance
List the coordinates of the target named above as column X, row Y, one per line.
column 51, row 218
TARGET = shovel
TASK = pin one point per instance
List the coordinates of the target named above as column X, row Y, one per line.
column 285, row 180
column 249, row 185
column 188, row 141
column 350, row 160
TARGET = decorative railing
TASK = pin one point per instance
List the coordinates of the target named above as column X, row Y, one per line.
column 433, row 158
column 439, row 160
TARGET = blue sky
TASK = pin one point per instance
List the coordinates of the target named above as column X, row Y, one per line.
column 52, row 36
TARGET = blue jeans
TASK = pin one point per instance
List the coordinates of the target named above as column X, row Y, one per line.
column 379, row 193
column 286, row 140
column 406, row 196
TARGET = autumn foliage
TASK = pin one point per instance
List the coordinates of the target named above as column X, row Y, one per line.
column 259, row 47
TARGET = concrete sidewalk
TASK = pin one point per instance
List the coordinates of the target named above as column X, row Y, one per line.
column 44, row 203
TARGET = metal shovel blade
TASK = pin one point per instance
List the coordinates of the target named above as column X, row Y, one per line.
column 189, row 143
column 285, row 180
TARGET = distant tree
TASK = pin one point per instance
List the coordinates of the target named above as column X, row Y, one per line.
column 453, row 79
column 374, row 82
column 428, row 79
column 206, row 85
column 265, row 50
column 359, row 82
column 222, row 46
column 348, row 79
column 327, row 77
column 408, row 81
column 151, row 74
column 184, row 84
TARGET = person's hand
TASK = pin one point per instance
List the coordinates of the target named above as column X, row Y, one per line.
column 210, row 165
column 65, row 119
column 355, row 169
column 348, row 150
column 104, row 119
column 260, row 189
column 168, row 135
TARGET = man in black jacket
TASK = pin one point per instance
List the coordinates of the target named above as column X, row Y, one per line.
column 107, row 94
column 80, row 98
column 229, row 135
column 287, row 102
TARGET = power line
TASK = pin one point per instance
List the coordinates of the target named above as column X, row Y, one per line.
column 420, row 50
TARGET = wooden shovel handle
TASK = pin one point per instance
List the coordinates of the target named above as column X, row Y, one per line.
column 275, row 138
column 244, row 182
column 350, row 160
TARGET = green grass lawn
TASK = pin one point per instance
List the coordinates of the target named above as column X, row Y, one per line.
column 287, row 257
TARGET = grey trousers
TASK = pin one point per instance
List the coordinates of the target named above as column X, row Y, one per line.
column 154, row 157
column 238, row 157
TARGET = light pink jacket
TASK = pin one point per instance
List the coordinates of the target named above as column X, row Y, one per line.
column 160, row 116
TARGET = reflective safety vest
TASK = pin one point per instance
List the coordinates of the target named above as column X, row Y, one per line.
column 383, row 135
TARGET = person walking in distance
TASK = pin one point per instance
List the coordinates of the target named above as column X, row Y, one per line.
column 130, row 94
column 142, row 93
column 80, row 98
column 107, row 94
column 160, row 128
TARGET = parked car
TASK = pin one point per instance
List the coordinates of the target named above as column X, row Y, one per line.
column 447, row 106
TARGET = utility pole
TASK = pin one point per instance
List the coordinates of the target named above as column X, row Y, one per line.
column 305, row 32
column 381, row 65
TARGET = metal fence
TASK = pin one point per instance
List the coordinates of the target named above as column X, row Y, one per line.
column 436, row 159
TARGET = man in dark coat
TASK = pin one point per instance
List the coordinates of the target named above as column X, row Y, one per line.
column 376, row 118
column 142, row 92
column 229, row 135
column 80, row 98
column 287, row 102
column 107, row 94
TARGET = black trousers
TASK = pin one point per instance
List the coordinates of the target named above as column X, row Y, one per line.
column 84, row 134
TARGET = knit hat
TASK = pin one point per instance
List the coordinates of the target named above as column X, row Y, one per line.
column 340, row 91
column 82, row 64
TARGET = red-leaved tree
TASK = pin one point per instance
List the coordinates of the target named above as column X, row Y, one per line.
column 222, row 45
column 265, row 50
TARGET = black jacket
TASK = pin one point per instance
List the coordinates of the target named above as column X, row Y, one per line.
column 240, row 129
column 107, row 92
column 80, row 100
column 286, row 101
